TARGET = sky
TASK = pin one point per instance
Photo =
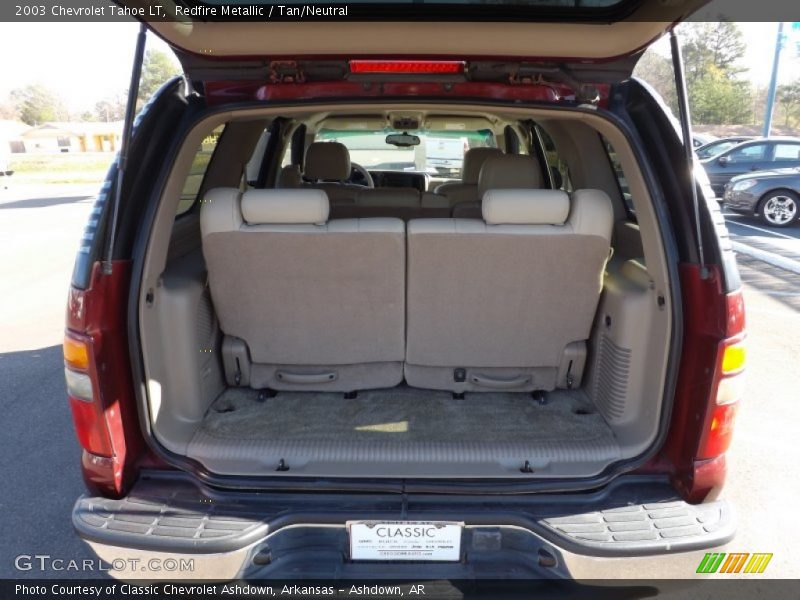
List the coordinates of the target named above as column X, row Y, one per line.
column 83, row 62
column 86, row 62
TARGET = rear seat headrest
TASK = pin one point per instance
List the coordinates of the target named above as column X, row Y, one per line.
column 474, row 159
column 525, row 207
column 510, row 171
column 327, row 161
column 285, row 207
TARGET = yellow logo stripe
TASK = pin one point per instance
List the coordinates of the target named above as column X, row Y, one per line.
column 758, row 563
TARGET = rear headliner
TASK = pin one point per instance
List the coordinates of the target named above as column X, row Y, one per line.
column 615, row 35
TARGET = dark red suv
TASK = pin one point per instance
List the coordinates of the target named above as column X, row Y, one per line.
column 295, row 349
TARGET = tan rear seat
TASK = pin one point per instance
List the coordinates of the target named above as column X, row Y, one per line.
column 319, row 304
column 496, row 303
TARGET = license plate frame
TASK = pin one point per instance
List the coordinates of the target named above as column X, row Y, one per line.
column 383, row 541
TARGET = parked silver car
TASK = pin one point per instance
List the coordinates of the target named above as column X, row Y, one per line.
column 772, row 196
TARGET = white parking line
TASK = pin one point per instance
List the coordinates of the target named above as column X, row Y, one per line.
column 775, row 260
column 781, row 294
column 761, row 229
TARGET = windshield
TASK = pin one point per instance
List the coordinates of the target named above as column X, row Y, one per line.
column 439, row 153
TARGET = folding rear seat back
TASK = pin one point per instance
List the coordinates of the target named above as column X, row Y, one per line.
column 305, row 303
column 506, row 302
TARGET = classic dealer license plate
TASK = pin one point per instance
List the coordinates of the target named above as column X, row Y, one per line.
column 405, row 540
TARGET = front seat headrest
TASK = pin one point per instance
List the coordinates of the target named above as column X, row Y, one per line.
column 510, row 171
column 289, row 177
column 327, row 161
column 474, row 159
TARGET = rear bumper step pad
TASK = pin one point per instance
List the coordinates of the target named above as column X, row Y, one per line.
column 633, row 516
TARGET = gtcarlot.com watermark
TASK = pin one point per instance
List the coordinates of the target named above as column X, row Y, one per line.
column 48, row 563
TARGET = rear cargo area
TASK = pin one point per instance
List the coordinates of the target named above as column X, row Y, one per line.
column 524, row 334
column 246, row 431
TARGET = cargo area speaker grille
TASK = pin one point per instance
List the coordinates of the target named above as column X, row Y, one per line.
column 610, row 381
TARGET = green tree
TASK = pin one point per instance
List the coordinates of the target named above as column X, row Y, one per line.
column 720, row 100
column 656, row 70
column 111, row 108
column 711, row 55
column 712, row 45
column 8, row 110
column 38, row 104
column 157, row 68
column 788, row 97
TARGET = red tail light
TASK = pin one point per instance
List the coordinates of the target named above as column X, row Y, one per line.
column 709, row 384
column 420, row 67
column 726, row 393
column 99, row 381
column 83, row 388
column 719, row 431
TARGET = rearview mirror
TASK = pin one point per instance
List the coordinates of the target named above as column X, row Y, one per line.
column 724, row 160
column 402, row 140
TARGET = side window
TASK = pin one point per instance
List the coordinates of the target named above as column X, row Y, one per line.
column 787, row 152
column 253, row 167
column 559, row 170
column 624, row 190
column 287, row 155
column 511, row 140
column 191, row 188
column 748, row 153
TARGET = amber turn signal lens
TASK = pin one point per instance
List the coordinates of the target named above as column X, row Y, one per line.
column 76, row 353
column 733, row 358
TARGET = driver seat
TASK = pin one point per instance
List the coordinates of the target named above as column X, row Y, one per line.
column 327, row 168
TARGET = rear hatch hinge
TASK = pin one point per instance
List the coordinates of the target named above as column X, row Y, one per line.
column 534, row 74
column 286, row 71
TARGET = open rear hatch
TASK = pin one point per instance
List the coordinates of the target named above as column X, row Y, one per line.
column 570, row 43
column 239, row 427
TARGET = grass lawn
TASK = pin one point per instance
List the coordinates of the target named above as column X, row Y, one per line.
column 60, row 168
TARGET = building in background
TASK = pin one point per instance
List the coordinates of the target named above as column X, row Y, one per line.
column 11, row 137
column 69, row 137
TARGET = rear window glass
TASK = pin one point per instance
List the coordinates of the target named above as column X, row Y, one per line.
column 787, row 151
column 202, row 158
column 748, row 153
column 559, row 170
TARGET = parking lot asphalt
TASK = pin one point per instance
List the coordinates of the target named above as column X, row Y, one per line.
column 39, row 455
